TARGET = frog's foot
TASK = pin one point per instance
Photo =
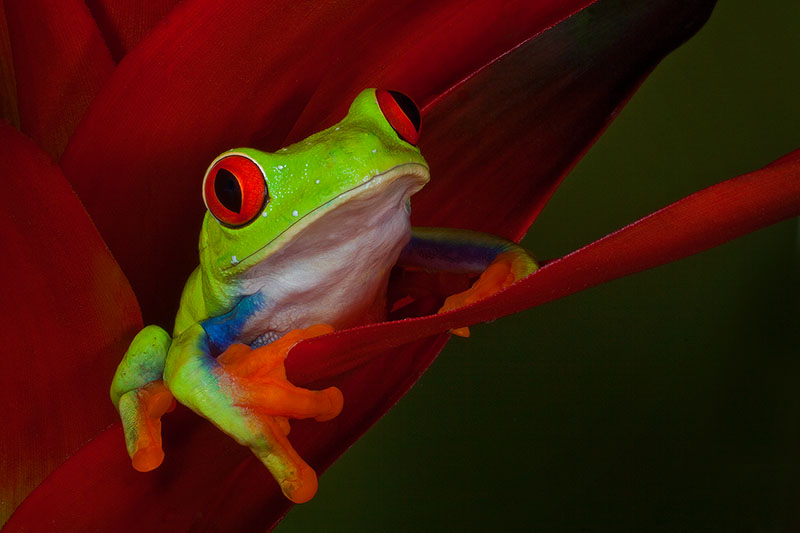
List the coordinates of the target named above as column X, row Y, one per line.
column 140, row 396
column 255, row 381
column 141, row 410
column 506, row 268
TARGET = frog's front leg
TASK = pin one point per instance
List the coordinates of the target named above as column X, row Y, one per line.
column 498, row 261
column 244, row 392
column 140, row 396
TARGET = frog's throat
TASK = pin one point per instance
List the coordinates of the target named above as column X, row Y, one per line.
column 416, row 175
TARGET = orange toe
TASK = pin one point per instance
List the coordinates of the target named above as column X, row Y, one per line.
column 460, row 332
column 496, row 277
column 302, row 488
column 335, row 400
column 147, row 459
column 141, row 412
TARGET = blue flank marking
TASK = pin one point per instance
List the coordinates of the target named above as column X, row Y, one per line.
column 225, row 329
column 452, row 255
column 208, row 361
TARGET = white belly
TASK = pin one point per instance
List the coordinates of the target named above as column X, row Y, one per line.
column 335, row 272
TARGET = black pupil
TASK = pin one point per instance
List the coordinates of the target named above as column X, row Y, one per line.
column 227, row 189
column 408, row 107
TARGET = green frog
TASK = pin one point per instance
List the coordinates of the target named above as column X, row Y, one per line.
column 295, row 244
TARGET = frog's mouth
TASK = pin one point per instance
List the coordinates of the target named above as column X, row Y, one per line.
column 378, row 201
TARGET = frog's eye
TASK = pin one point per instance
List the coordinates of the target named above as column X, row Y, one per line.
column 235, row 190
column 401, row 113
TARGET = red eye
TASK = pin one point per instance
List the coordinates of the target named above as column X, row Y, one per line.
column 235, row 190
column 401, row 112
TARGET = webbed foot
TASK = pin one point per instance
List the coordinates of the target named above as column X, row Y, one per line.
column 140, row 396
column 257, row 401
column 141, row 410
column 506, row 268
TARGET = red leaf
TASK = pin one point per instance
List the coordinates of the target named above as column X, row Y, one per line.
column 424, row 51
column 213, row 76
column 124, row 23
column 8, row 85
column 60, row 64
column 524, row 120
column 68, row 312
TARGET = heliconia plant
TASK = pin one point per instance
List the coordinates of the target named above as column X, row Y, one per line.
column 114, row 110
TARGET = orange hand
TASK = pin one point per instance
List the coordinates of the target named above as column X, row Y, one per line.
column 501, row 273
column 256, row 381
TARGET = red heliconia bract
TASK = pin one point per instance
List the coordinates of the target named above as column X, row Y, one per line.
column 136, row 119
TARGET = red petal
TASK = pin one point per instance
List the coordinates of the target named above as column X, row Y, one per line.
column 217, row 75
column 8, row 85
column 425, row 51
column 60, row 61
column 97, row 489
column 532, row 113
column 124, row 23
column 68, row 314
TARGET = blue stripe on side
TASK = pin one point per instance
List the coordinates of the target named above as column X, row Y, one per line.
column 452, row 250
column 226, row 329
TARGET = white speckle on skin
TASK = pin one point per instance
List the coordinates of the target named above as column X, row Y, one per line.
column 294, row 213
column 280, row 167
column 234, row 261
column 316, row 181
column 264, row 214
column 374, row 150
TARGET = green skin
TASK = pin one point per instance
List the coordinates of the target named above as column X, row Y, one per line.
column 319, row 253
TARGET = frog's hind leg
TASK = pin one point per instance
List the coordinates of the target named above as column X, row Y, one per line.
column 140, row 396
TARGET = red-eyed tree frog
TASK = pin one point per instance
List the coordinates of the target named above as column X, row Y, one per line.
column 294, row 244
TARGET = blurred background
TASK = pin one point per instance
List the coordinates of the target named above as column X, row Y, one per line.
column 667, row 400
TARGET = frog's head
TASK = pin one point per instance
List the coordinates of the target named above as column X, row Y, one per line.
column 259, row 202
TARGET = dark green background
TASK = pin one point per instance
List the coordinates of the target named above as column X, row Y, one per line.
column 667, row 400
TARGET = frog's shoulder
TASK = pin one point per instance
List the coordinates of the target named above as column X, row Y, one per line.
column 193, row 306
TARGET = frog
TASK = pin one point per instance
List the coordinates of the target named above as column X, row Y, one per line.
column 295, row 244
